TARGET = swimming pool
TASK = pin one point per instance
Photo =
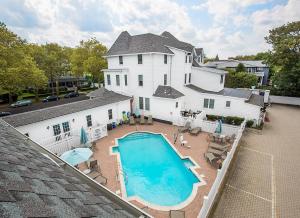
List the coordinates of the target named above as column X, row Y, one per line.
column 153, row 172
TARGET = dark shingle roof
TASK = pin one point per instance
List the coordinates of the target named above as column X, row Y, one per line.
column 198, row 51
column 127, row 44
column 36, row 183
column 26, row 118
column 256, row 100
column 167, row 92
column 238, row 93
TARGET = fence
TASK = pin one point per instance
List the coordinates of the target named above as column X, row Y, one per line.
column 210, row 198
column 65, row 141
column 284, row 100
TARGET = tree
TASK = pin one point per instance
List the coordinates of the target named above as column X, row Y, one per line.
column 88, row 58
column 240, row 80
column 53, row 60
column 217, row 58
column 240, row 68
column 16, row 65
column 285, row 55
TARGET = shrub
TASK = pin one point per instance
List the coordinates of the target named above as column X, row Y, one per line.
column 228, row 120
column 249, row 123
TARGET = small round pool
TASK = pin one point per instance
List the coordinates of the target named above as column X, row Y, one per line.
column 153, row 171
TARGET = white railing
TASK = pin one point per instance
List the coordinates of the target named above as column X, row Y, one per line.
column 66, row 141
column 208, row 126
column 215, row 189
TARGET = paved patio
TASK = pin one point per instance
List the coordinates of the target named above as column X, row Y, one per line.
column 264, row 180
column 199, row 144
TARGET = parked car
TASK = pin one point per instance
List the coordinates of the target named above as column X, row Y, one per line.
column 21, row 103
column 51, row 98
column 4, row 113
column 71, row 95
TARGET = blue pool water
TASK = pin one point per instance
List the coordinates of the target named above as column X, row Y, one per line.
column 154, row 171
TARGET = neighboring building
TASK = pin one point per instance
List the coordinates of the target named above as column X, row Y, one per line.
column 165, row 76
column 69, row 82
column 61, row 125
column 36, row 183
column 258, row 68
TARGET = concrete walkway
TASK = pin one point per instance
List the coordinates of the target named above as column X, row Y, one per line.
column 265, row 178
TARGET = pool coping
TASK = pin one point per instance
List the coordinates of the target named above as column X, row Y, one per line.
column 144, row 202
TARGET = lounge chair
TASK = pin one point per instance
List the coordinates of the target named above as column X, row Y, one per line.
column 95, row 173
column 142, row 120
column 218, row 146
column 149, row 121
column 216, row 152
column 131, row 120
column 210, row 157
column 186, row 127
column 177, row 214
column 195, row 131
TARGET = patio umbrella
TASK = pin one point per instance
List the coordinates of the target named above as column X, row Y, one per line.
column 83, row 137
column 76, row 156
column 219, row 127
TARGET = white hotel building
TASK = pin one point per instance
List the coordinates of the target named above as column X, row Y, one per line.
column 150, row 74
column 165, row 76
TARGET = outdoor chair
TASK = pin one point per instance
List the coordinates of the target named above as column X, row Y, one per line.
column 95, row 173
column 186, row 127
column 142, row 120
column 218, row 146
column 149, row 121
column 195, row 131
column 216, row 152
column 210, row 157
column 177, row 214
column 131, row 120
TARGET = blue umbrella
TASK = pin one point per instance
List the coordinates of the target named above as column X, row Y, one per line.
column 83, row 137
column 76, row 156
column 219, row 127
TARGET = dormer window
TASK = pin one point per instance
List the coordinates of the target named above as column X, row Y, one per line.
column 120, row 59
column 140, row 59
column 165, row 59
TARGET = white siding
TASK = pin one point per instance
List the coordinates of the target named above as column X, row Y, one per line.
column 207, row 80
column 195, row 100
column 39, row 132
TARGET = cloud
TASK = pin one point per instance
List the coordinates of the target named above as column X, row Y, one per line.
column 234, row 28
column 13, row 13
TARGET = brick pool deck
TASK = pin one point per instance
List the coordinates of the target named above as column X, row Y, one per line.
column 109, row 165
column 264, row 179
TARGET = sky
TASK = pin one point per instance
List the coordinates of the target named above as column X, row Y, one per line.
column 224, row 27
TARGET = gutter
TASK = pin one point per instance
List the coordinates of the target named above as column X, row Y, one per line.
column 70, row 169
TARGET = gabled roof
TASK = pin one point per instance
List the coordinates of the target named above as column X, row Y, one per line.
column 198, row 51
column 238, row 93
column 208, row 69
column 37, row 183
column 256, row 100
column 144, row 43
column 107, row 97
column 167, row 92
column 222, row 64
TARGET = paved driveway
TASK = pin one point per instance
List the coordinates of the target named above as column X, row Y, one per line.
column 265, row 178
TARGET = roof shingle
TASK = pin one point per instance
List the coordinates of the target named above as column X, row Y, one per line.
column 144, row 43
column 48, row 196
column 107, row 97
column 167, row 92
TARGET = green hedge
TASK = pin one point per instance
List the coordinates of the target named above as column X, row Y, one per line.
column 228, row 120
column 249, row 123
